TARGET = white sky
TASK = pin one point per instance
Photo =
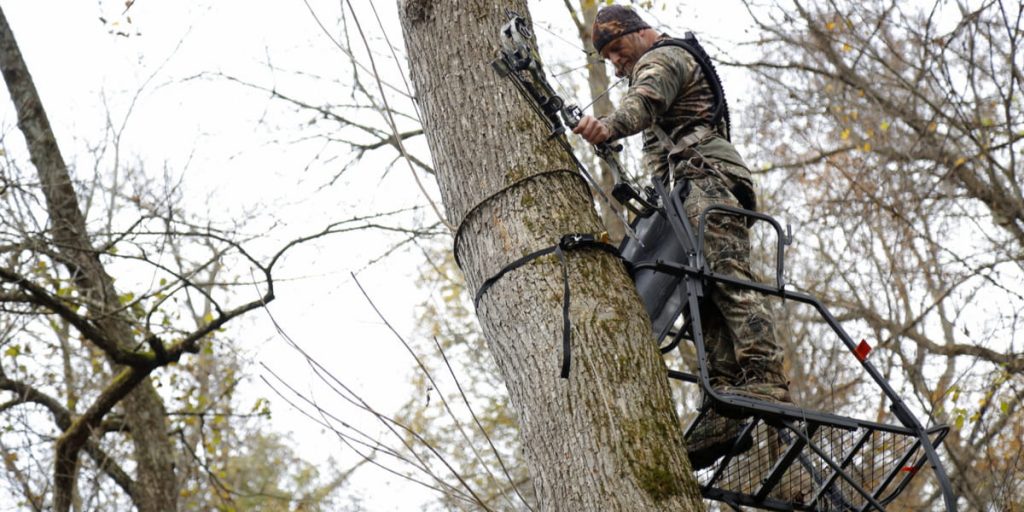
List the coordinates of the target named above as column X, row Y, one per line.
column 208, row 132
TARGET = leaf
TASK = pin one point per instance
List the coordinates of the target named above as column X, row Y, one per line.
column 884, row 126
column 1004, row 406
column 830, row 25
column 256, row 406
column 845, row 135
column 866, row 147
column 847, row 47
column 13, row 351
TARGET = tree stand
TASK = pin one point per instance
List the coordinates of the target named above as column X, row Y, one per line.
column 799, row 459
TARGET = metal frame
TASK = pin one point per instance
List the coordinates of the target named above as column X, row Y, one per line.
column 785, row 418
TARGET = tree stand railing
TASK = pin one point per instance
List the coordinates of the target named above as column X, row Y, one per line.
column 800, row 459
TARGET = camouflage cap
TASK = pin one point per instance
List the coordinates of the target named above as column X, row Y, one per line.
column 613, row 22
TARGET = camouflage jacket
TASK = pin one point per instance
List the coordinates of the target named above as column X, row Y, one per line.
column 667, row 86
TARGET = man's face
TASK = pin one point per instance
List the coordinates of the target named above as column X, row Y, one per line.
column 623, row 52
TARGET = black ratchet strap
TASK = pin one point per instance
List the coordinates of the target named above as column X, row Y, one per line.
column 568, row 242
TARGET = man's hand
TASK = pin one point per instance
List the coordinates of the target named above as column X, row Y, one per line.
column 592, row 129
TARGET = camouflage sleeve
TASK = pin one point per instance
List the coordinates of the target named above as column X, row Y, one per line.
column 656, row 81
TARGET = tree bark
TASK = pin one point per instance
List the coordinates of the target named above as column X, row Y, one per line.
column 156, row 488
column 607, row 437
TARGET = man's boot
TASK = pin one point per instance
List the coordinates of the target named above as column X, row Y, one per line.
column 758, row 382
column 715, row 437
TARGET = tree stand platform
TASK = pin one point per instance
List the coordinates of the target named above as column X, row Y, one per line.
column 798, row 459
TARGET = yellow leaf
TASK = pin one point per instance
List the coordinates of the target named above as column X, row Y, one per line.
column 831, row 25
column 845, row 135
column 932, row 126
column 884, row 126
column 208, row 318
column 867, row 146
column 959, row 161
column 847, row 47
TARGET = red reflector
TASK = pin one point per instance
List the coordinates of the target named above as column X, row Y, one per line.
column 862, row 350
column 909, row 469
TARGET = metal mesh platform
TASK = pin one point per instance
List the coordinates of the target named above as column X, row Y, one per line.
column 809, row 465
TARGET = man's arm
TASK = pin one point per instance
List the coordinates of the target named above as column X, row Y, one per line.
column 656, row 82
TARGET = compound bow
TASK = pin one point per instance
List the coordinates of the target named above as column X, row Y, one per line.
column 519, row 61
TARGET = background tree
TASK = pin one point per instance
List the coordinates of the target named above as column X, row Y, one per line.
column 892, row 132
column 79, row 352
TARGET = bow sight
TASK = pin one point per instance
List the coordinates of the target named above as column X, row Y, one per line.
column 517, row 57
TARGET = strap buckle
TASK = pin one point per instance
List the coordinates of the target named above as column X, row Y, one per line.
column 574, row 240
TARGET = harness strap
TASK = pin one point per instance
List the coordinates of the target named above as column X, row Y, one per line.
column 674, row 149
column 566, row 243
column 684, row 149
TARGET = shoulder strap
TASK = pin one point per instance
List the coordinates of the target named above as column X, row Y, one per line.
column 691, row 45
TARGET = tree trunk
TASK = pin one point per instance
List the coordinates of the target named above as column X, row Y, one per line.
column 606, row 438
column 143, row 407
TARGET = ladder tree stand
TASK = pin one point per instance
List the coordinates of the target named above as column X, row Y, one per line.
column 800, row 459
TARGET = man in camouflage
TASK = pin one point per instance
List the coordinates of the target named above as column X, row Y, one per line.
column 672, row 102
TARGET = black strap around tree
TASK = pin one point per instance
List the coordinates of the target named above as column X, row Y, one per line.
column 566, row 243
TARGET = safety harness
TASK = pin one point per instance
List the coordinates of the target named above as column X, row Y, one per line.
column 721, row 111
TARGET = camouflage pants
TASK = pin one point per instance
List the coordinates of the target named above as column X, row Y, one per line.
column 738, row 330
